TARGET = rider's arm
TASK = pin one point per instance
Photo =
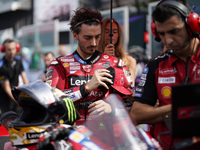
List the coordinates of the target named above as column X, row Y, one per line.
column 57, row 77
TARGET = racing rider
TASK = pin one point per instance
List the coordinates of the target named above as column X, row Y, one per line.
column 82, row 75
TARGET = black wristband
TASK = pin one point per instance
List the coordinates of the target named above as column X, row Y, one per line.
column 84, row 93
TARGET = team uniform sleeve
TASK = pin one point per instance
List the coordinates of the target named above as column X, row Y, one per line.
column 146, row 92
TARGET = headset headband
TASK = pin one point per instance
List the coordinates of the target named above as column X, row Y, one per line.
column 176, row 5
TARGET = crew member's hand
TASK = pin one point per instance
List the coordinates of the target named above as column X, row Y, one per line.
column 99, row 107
column 99, row 78
column 110, row 49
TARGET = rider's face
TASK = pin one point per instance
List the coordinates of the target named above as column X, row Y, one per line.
column 88, row 39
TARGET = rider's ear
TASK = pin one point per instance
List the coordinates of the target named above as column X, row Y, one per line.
column 75, row 35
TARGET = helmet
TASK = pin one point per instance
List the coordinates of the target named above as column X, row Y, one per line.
column 42, row 107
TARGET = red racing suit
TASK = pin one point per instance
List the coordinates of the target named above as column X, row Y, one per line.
column 70, row 73
column 158, row 77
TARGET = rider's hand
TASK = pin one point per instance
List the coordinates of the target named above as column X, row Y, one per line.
column 99, row 78
column 110, row 49
column 99, row 107
column 71, row 115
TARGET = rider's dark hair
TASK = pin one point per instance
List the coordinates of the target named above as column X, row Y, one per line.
column 84, row 16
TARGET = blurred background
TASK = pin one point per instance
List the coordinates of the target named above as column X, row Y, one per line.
column 43, row 25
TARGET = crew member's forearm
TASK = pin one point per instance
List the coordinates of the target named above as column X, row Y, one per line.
column 142, row 113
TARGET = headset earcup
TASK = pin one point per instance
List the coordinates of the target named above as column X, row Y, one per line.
column 153, row 29
column 2, row 49
column 193, row 20
column 17, row 47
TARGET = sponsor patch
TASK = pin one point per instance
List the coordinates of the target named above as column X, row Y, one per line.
column 54, row 62
column 142, row 83
column 139, row 89
column 122, row 79
column 96, row 93
column 68, row 60
column 72, row 95
column 127, row 72
column 50, row 71
column 33, row 135
column 146, row 70
column 137, row 94
column 63, row 59
column 75, row 81
column 87, row 68
column 95, row 60
column 68, row 57
column 143, row 76
column 72, row 72
column 65, row 64
column 166, row 71
column 49, row 82
column 164, row 80
column 106, row 56
column 68, row 91
column 75, row 96
column 101, row 126
column 75, row 67
column 49, row 77
column 106, row 65
column 129, row 79
column 74, row 64
column 79, row 59
column 76, row 136
column 166, row 92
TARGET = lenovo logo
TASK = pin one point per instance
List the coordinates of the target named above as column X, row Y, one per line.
column 77, row 81
column 33, row 135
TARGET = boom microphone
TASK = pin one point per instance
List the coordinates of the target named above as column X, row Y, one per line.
column 184, row 45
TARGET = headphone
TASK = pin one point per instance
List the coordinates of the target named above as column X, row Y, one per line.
column 8, row 41
column 192, row 19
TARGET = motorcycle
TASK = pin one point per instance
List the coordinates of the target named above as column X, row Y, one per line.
column 44, row 124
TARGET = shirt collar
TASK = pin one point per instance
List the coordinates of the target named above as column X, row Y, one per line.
column 174, row 58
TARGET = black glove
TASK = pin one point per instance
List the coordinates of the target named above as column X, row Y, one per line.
column 71, row 114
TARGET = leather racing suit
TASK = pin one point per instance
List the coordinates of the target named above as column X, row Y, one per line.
column 71, row 73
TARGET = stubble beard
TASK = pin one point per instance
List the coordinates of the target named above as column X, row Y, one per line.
column 83, row 50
